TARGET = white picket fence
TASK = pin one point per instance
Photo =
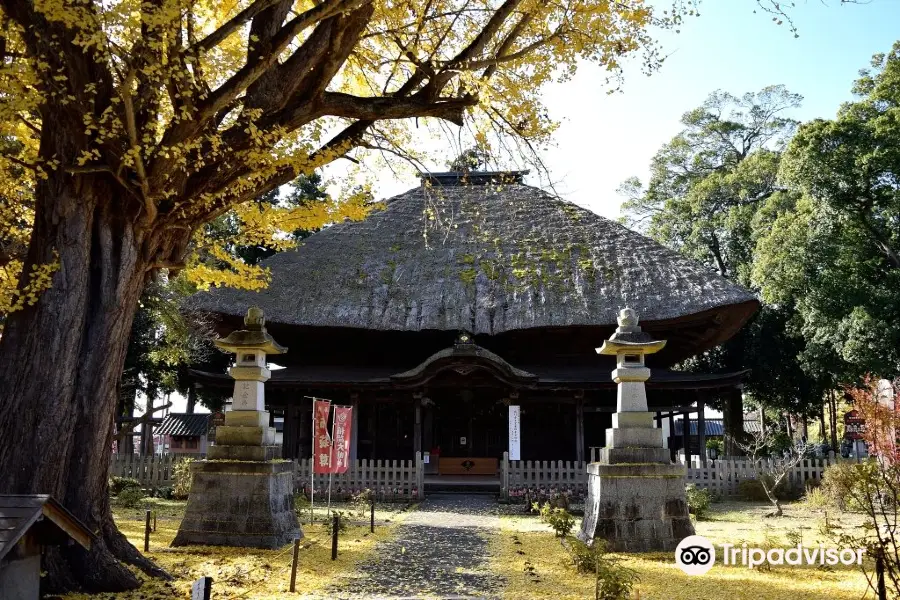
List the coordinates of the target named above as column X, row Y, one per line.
column 724, row 476
column 518, row 477
column 390, row 480
column 151, row 471
column 404, row 480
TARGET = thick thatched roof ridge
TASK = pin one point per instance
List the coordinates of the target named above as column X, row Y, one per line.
column 480, row 258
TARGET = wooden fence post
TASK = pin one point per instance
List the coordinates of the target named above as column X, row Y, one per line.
column 147, row 532
column 294, row 564
column 335, row 526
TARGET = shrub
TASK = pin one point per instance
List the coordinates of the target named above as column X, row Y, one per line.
column 183, row 479
column 698, row 500
column 117, row 484
column 816, row 499
column 131, row 497
column 613, row 581
column 839, row 482
column 559, row 519
column 165, row 492
column 752, row 489
column 717, row 445
column 343, row 522
column 362, row 501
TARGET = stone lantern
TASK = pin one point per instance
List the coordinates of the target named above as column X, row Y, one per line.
column 243, row 495
column 636, row 500
column 246, row 434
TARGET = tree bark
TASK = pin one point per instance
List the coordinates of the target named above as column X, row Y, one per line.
column 60, row 363
column 733, row 421
column 822, row 433
column 832, row 406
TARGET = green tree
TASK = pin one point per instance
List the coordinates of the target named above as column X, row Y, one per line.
column 704, row 197
column 831, row 250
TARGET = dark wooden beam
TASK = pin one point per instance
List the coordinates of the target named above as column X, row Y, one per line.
column 417, row 434
column 671, row 438
column 701, row 432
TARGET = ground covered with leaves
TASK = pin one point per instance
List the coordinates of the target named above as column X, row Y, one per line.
column 244, row 573
column 537, row 565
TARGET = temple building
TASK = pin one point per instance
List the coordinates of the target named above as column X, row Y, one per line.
column 466, row 294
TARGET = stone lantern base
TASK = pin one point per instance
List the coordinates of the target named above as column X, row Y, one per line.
column 240, row 503
column 636, row 501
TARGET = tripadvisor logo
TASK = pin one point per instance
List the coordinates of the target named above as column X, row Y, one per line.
column 696, row 555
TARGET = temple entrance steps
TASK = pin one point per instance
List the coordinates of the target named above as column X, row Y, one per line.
column 462, row 484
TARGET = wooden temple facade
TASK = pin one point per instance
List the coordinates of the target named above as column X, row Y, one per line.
column 467, row 294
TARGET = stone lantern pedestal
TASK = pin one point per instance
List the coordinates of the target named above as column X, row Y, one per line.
column 636, row 500
column 243, row 495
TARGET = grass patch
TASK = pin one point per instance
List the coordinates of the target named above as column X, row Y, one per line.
column 246, row 573
column 537, row 566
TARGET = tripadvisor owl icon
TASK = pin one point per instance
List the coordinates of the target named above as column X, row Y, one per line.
column 695, row 555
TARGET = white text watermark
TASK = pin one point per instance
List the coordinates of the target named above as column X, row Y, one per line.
column 696, row 555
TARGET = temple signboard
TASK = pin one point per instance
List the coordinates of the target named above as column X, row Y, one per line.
column 515, row 432
column 854, row 425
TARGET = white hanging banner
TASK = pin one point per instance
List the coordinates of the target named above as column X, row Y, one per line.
column 515, row 433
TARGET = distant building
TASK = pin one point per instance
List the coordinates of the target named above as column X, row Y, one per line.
column 184, row 433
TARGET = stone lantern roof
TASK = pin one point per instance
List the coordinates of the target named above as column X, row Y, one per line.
column 254, row 337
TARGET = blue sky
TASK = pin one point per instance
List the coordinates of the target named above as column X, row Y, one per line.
column 605, row 139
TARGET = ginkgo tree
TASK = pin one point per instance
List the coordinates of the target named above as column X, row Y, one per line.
column 136, row 122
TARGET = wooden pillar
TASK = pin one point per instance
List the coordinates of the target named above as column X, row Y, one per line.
column 427, row 426
column 417, row 423
column 354, row 428
column 701, row 431
column 579, row 426
column 670, row 440
column 686, row 435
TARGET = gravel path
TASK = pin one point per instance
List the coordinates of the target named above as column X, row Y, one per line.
column 440, row 551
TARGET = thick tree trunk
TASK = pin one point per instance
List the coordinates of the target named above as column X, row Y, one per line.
column 733, row 421
column 60, row 362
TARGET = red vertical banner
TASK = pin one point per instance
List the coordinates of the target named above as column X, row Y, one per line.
column 321, row 439
column 340, row 451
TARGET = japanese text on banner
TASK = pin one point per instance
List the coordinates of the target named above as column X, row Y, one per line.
column 340, row 451
column 321, row 439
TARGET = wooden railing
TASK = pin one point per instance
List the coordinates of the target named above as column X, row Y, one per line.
column 724, row 476
column 152, row 471
column 390, row 480
column 519, row 478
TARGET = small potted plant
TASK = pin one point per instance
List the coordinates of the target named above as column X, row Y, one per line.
column 713, row 448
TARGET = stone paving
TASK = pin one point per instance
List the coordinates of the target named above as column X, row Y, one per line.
column 439, row 551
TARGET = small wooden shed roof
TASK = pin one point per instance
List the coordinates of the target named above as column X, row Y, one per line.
column 185, row 424
column 19, row 513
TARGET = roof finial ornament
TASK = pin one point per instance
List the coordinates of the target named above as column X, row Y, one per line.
column 628, row 320
column 255, row 319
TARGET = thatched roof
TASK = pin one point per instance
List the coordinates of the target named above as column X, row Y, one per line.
column 484, row 258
